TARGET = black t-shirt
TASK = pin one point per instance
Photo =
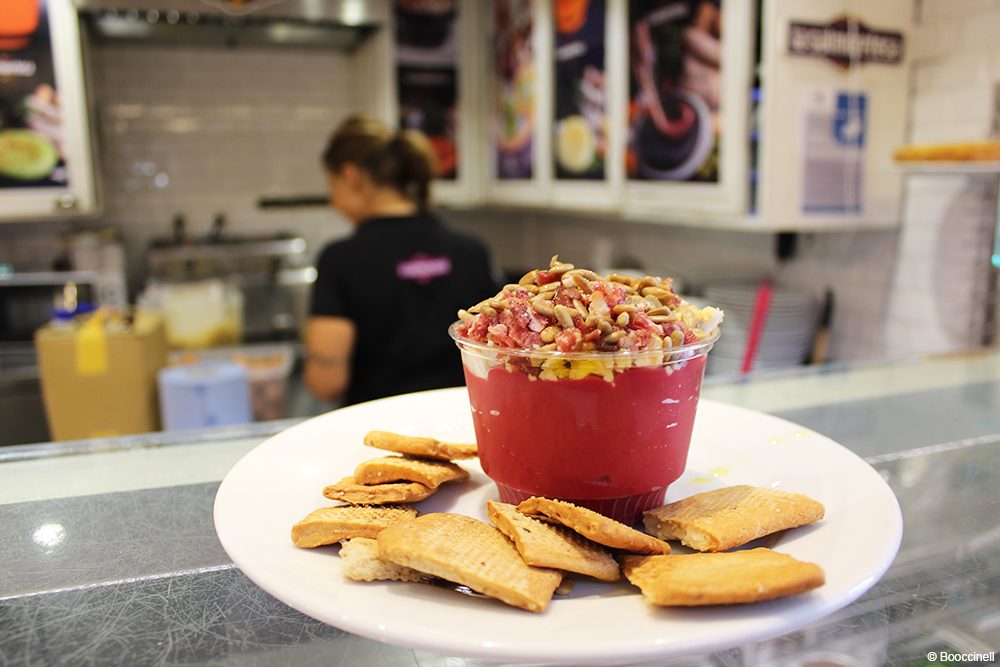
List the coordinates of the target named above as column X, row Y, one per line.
column 401, row 280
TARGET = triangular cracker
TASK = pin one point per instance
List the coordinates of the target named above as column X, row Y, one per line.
column 408, row 469
column 333, row 524
column 361, row 562
column 735, row 577
column 595, row 527
column 726, row 518
column 415, row 446
column 545, row 545
column 349, row 491
column 466, row 551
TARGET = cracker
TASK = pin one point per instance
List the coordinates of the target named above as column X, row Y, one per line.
column 595, row 527
column 557, row 547
column 466, row 551
column 734, row 577
column 726, row 518
column 415, row 446
column 349, row 491
column 328, row 525
column 408, row 469
column 361, row 562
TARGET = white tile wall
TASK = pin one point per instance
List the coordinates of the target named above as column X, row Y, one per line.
column 199, row 131
column 937, row 298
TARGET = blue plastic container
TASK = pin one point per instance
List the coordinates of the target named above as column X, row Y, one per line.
column 211, row 393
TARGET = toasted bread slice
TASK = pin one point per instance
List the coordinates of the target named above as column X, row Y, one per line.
column 333, row 524
column 466, row 551
column 408, row 469
column 557, row 547
column 726, row 518
column 349, row 491
column 595, row 527
column 735, row 577
column 423, row 447
column 361, row 562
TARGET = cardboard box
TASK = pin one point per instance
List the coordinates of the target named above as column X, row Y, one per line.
column 99, row 378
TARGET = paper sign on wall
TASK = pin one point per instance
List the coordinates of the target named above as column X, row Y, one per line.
column 835, row 123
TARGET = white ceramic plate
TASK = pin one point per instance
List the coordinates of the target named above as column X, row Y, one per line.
column 281, row 480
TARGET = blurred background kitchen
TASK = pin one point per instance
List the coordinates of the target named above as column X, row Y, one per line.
column 823, row 170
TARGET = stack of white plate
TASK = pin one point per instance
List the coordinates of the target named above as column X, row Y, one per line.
column 787, row 335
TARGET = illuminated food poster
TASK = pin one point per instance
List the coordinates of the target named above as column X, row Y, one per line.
column 31, row 132
column 514, row 81
column 674, row 89
column 427, row 38
column 580, row 132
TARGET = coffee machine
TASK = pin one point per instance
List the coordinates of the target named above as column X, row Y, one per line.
column 272, row 273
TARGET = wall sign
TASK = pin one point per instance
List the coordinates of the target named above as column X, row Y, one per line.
column 845, row 41
column 427, row 38
column 580, row 134
column 514, row 93
column 835, row 126
column 32, row 153
column 675, row 61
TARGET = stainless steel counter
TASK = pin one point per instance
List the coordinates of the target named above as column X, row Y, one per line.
column 129, row 571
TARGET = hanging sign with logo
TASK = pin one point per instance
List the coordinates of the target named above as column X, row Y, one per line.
column 845, row 41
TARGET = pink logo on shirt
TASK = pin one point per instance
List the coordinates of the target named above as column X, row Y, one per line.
column 423, row 268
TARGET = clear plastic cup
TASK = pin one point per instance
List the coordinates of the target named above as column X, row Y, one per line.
column 611, row 441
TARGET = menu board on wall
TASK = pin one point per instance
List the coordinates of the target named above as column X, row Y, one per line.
column 31, row 129
column 514, row 82
column 427, row 38
column 580, row 132
column 675, row 86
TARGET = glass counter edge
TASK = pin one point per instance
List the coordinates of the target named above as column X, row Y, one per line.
column 44, row 450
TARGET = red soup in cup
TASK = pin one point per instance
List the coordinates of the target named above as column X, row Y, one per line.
column 572, row 400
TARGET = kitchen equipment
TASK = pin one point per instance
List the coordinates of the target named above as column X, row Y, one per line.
column 198, row 314
column 341, row 25
column 29, row 299
column 201, row 395
column 272, row 273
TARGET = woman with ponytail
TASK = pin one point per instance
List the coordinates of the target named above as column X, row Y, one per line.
column 384, row 297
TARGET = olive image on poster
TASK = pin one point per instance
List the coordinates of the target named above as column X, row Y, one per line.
column 675, row 63
column 580, row 132
column 31, row 151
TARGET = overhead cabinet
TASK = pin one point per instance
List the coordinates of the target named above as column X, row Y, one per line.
column 777, row 115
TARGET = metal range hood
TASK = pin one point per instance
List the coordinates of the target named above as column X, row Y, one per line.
column 340, row 25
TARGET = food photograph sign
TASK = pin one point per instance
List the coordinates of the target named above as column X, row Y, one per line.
column 675, row 64
column 31, row 131
column 580, row 133
column 427, row 44
column 514, row 95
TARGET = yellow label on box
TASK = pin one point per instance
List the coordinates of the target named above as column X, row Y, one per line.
column 91, row 348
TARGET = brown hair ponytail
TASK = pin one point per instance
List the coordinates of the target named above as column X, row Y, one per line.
column 404, row 161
